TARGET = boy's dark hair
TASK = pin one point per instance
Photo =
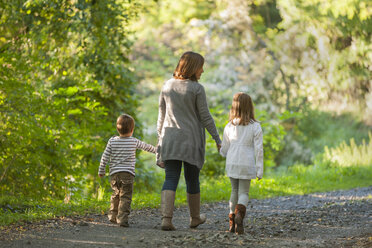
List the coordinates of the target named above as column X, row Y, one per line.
column 124, row 124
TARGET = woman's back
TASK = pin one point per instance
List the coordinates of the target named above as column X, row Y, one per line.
column 181, row 109
column 183, row 115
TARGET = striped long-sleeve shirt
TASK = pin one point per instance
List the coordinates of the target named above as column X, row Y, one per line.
column 120, row 154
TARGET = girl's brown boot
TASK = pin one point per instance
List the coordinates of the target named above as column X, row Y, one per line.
column 232, row 222
column 239, row 216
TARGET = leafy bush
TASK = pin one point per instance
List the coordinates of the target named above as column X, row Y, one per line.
column 311, row 130
column 63, row 83
column 346, row 155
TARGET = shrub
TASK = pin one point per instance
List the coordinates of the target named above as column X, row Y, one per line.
column 347, row 155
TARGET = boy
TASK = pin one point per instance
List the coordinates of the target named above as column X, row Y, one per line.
column 120, row 154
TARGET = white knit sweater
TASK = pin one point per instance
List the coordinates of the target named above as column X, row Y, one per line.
column 242, row 146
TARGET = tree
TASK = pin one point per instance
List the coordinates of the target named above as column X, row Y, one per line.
column 65, row 77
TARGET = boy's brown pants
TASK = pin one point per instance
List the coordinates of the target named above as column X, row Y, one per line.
column 121, row 198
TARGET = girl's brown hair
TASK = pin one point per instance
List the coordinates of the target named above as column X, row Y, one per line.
column 188, row 65
column 242, row 108
column 124, row 124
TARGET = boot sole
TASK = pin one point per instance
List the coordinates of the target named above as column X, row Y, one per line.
column 195, row 226
column 167, row 228
column 232, row 223
column 203, row 220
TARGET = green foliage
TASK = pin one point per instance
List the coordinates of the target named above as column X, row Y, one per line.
column 312, row 130
column 274, row 133
column 149, row 178
column 350, row 155
column 265, row 14
column 318, row 129
column 214, row 163
column 64, row 79
column 163, row 33
column 325, row 49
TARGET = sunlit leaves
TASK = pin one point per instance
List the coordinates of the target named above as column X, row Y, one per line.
column 63, row 74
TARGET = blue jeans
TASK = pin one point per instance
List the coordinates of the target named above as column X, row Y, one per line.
column 173, row 172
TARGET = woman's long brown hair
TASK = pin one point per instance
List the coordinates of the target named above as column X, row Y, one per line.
column 242, row 108
column 188, row 65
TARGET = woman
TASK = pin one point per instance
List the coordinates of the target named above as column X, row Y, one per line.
column 183, row 115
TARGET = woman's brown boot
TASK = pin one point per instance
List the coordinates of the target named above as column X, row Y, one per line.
column 239, row 216
column 167, row 207
column 232, row 222
column 196, row 218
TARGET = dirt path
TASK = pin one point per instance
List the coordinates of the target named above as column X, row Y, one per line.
column 333, row 219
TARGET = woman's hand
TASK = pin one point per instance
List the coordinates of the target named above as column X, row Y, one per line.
column 218, row 147
column 160, row 164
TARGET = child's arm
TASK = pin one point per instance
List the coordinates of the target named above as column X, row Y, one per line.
column 146, row 147
column 258, row 147
column 105, row 159
column 225, row 143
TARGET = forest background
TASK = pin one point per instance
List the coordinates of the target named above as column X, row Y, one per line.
column 69, row 68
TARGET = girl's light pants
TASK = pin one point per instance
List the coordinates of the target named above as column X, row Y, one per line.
column 239, row 192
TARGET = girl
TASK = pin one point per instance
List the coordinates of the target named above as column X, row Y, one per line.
column 242, row 147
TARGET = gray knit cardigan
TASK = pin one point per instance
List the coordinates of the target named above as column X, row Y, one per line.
column 183, row 115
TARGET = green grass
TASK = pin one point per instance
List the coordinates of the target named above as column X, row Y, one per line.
column 16, row 209
column 350, row 155
column 296, row 180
